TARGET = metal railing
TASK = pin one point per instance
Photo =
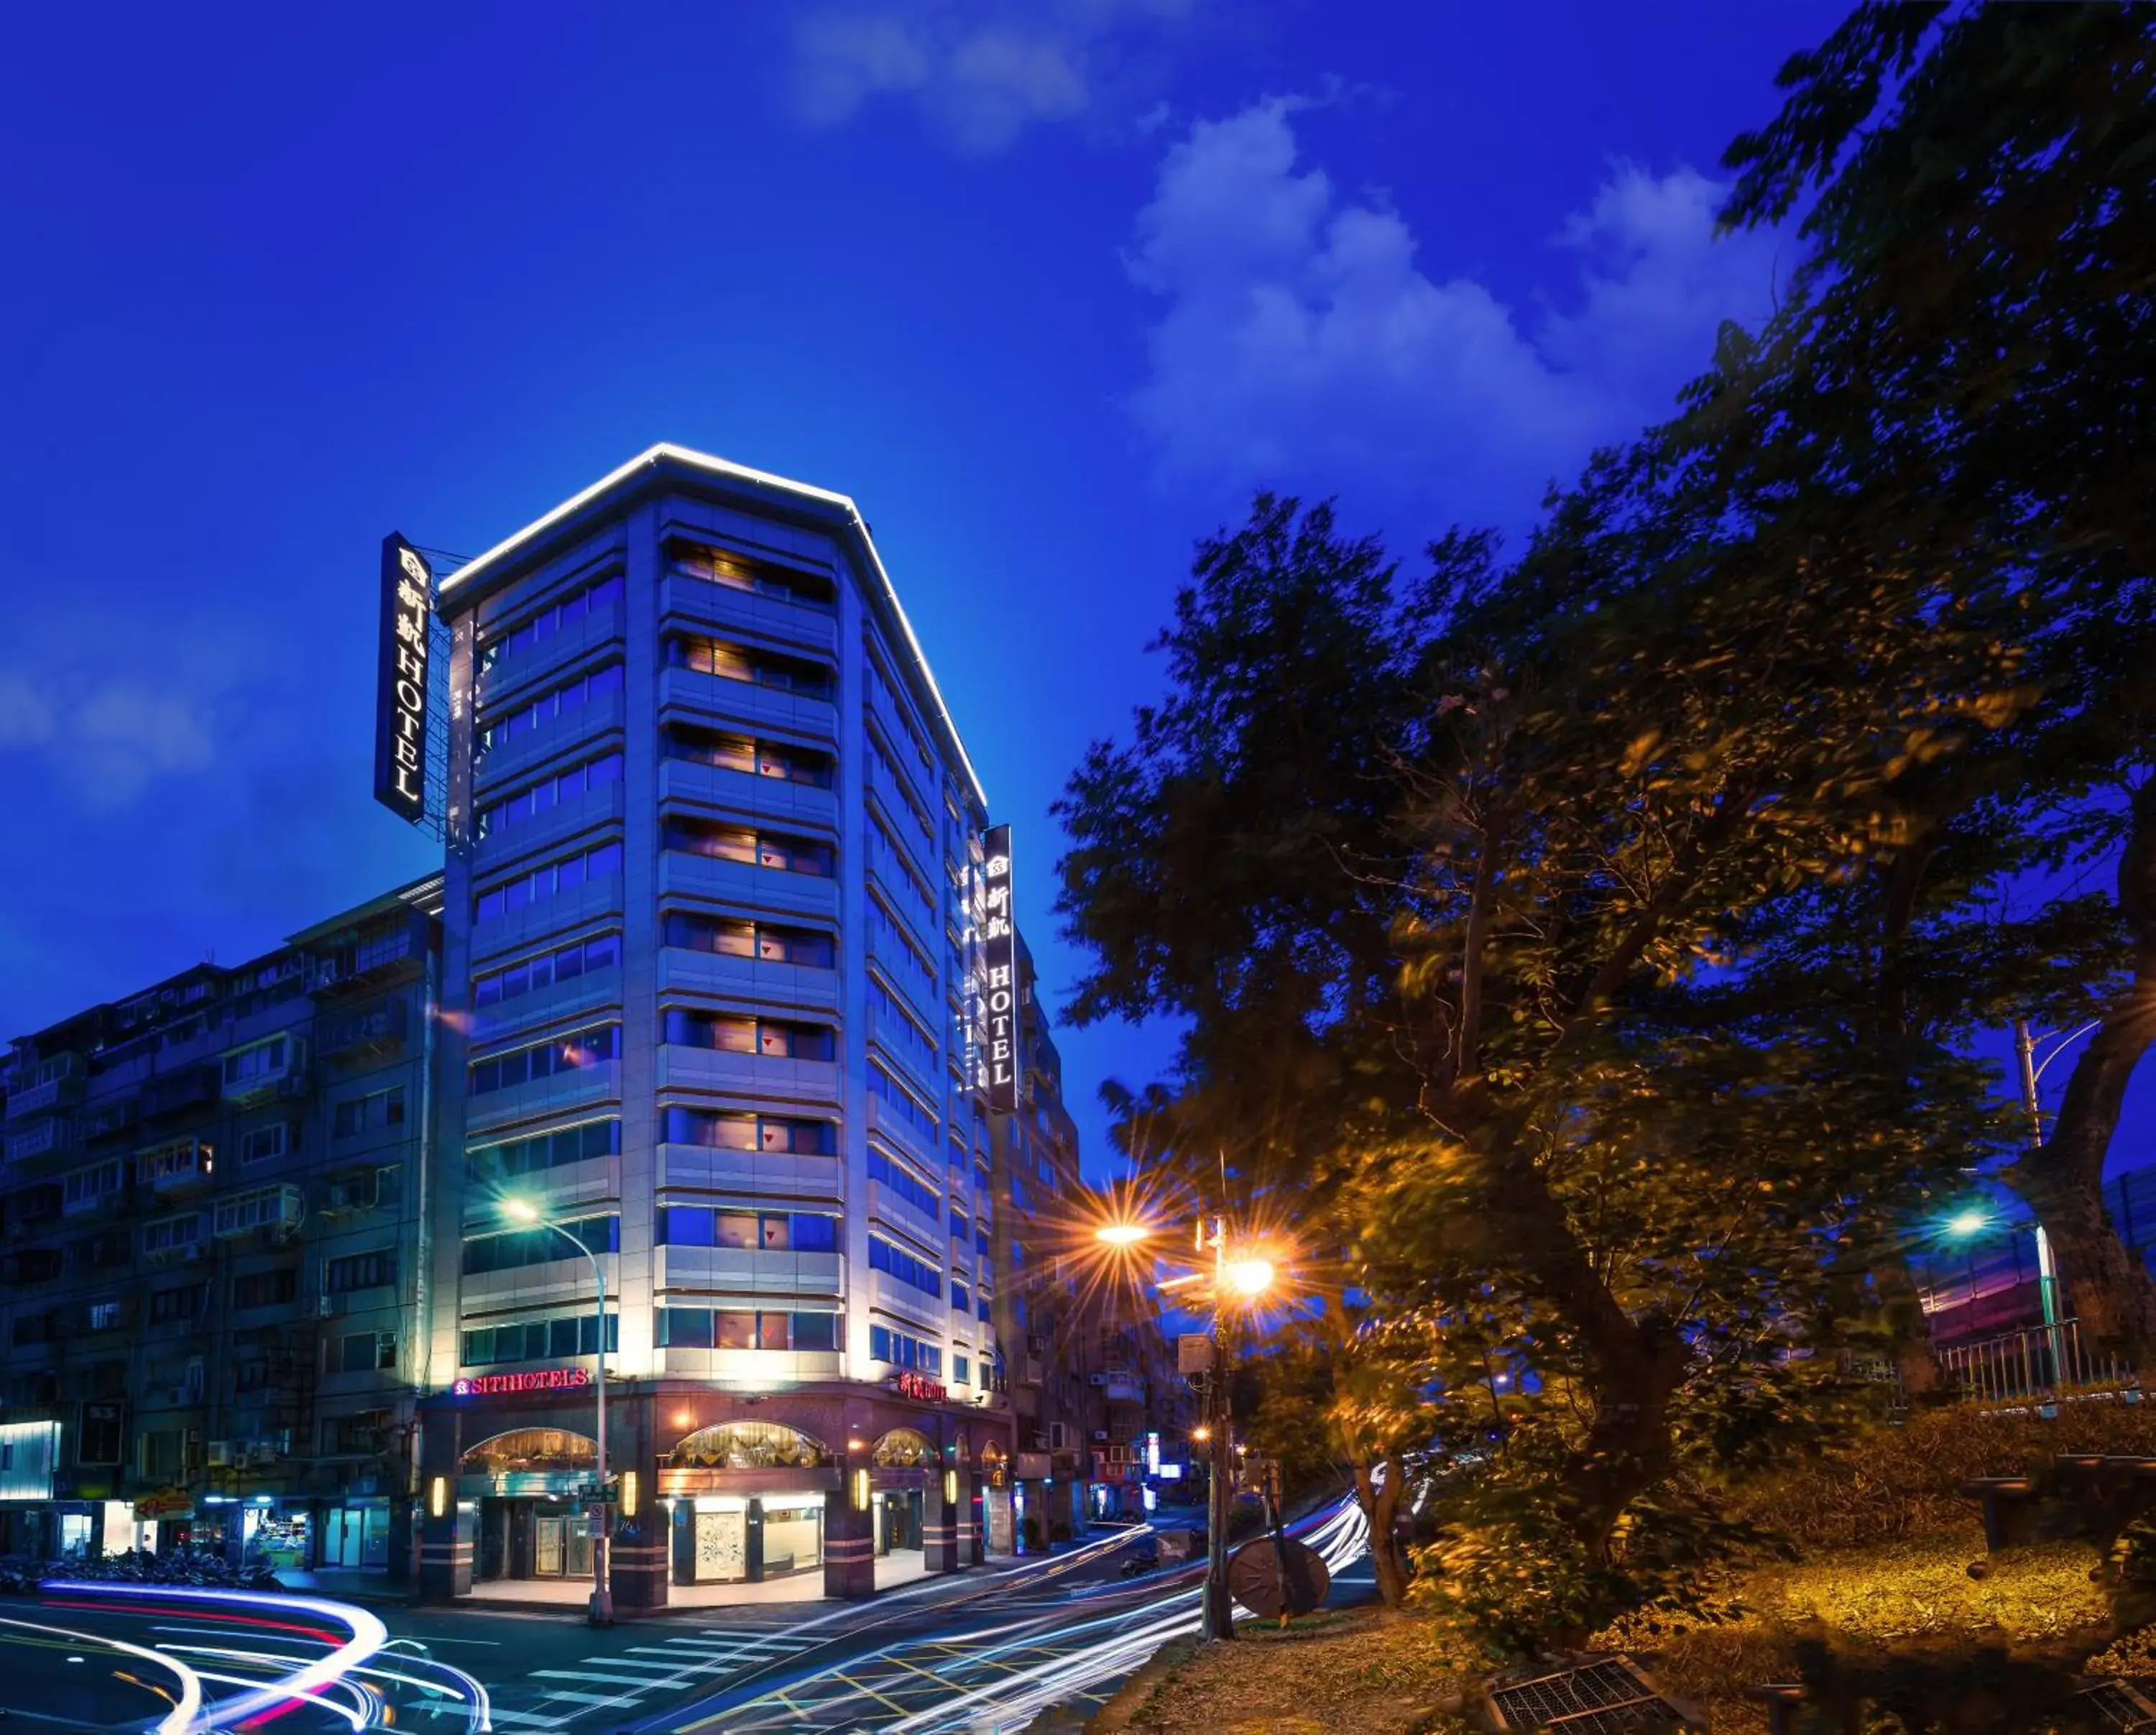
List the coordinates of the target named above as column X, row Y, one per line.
column 2034, row 1363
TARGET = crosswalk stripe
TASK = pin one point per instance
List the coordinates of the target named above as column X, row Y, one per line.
column 521, row 1719
column 637, row 1680
column 581, row 1698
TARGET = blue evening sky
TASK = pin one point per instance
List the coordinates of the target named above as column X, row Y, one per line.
column 1048, row 287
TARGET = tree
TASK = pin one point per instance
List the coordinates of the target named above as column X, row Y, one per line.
column 1466, row 1000
column 1970, row 366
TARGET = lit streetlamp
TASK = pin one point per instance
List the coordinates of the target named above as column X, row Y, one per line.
column 1244, row 1279
column 519, row 1210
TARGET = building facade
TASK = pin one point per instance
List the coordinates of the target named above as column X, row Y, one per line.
column 212, row 1242
column 711, row 832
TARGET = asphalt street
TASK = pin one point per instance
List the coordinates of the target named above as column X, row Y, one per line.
column 987, row 1649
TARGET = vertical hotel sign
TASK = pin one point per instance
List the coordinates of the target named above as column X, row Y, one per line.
column 997, row 1050
column 400, row 701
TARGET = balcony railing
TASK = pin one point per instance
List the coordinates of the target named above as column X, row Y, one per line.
column 2033, row 1364
column 377, row 1029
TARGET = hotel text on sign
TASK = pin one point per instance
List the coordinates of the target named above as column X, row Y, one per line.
column 997, row 1015
column 400, row 698
column 546, row 1379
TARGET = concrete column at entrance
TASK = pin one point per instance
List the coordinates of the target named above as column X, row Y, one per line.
column 403, row 1539
column 939, row 1527
column 973, row 1521
column 445, row 1553
column 639, row 1564
column 849, row 1547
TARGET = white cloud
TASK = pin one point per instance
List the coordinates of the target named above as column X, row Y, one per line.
column 981, row 71
column 122, row 735
column 1301, row 345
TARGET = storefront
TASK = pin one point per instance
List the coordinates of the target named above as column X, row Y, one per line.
column 710, row 1488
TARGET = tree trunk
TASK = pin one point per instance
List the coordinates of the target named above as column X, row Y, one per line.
column 1909, row 1336
column 1381, row 1504
column 2061, row 1180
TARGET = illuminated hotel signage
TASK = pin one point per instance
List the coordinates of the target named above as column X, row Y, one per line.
column 400, row 699
column 545, row 1379
column 918, row 1386
column 997, row 1018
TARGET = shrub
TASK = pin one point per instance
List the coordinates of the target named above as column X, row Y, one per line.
column 1887, row 1484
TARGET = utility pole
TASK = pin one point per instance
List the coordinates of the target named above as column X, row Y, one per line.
column 1218, row 1621
column 2047, row 1270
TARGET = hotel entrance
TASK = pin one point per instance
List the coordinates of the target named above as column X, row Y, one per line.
column 532, row 1523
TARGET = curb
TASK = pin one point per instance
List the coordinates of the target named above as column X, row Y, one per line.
column 1130, row 1697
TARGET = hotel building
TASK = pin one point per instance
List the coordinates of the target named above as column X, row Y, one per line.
column 711, row 831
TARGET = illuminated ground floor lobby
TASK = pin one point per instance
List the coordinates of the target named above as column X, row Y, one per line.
column 718, row 1497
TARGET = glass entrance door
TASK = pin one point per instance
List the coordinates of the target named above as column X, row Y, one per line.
column 546, row 1549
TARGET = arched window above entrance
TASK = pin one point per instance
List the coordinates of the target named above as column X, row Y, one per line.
column 748, row 1445
column 903, row 1449
column 523, row 1449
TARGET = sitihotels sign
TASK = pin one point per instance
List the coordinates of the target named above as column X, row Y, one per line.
column 543, row 1380
column 997, row 1015
column 400, row 699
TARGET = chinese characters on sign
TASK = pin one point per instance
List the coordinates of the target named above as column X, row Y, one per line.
column 996, row 1013
column 919, row 1387
column 400, row 715
column 546, row 1379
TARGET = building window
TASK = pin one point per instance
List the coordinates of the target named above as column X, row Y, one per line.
column 355, row 1436
column 86, row 1187
column 961, row 1372
column 514, row 1248
column 537, row 1340
column 169, row 1233
column 376, row 1269
column 557, row 878
column 536, row 800
column 564, row 700
column 772, row 1037
column 260, row 1208
column 557, row 616
column 103, row 1316
column 181, row 1160
column 265, row 1289
column 894, row 1262
column 264, row 1060
column 736, row 662
column 747, row 1132
column 564, row 1053
column 743, row 754
column 771, row 850
column 168, row 1306
column 891, row 866
column 374, row 1113
column 886, row 1171
column 902, row 1351
column 261, row 1144
column 902, row 1102
column 750, row 939
column 746, row 1328
column 896, row 1023
column 566, row 964
column 962, row 1300
column 899, row 948
column 736, row 572
column 366, row 1353
column 580, row 1143
column 762, row 1231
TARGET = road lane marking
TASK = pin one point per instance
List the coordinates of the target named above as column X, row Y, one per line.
column 634, row 1681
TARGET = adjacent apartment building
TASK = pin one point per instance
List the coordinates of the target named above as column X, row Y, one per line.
column 711, row 834
column 213, row 1248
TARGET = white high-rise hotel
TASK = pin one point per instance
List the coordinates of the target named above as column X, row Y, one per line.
column 711, row 830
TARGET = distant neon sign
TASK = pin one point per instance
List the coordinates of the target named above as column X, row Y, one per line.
column 543, row 1380
column 996, row 1009
column 921, row 1387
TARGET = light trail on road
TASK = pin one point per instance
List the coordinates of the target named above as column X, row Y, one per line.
column 1000, row 1674
column 187, row 1704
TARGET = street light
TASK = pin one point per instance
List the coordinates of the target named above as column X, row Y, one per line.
column 1965, row 1223
column 522, row 1210
column 1243, row 1278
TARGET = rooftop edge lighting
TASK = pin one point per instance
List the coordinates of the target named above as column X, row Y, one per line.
column 665, row 451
